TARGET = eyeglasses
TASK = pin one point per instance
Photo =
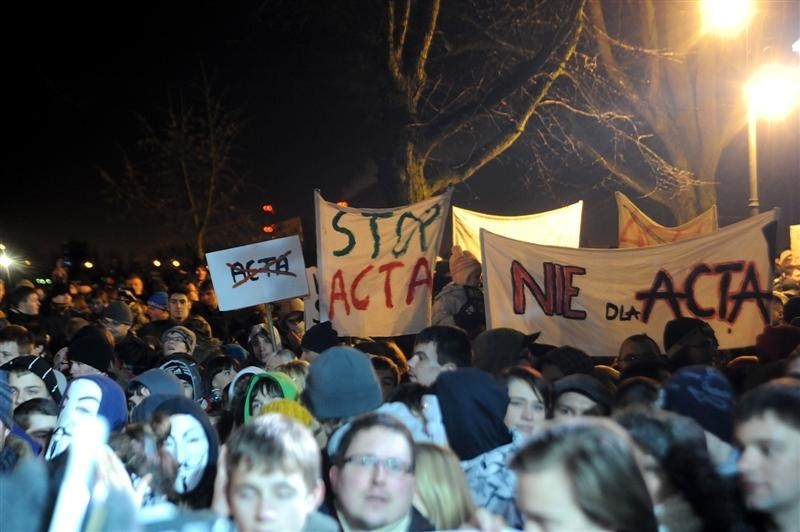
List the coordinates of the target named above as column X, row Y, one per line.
column 369, row 461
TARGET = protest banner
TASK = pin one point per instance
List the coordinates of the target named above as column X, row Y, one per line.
column 375, row 266
column 794, row 239
column 311, row 301
column 559, row 227
column 637, row 230
column 258, row 273
column 593, row 299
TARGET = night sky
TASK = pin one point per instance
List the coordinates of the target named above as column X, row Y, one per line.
column 77, row 75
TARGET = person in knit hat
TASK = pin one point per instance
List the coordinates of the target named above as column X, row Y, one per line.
column 12, row 447
column 265, row 388
column 580, row 395
column 498, row 349
column 187, row 371
column 152, row 381
column 465, row 271
column 317, row 339
column 562, row 361
column 89, row 396
column 31, row 377
column 118, row 319
column 89, row 352
column 178, row 339
column 689, row 341
column 262, row 344
column 341, row 384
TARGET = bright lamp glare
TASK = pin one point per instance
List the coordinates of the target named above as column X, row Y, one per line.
column 773, row 92
column 5, row 261
column 88, row 265
column 176, row 263
column 156, row 263
column 726, row 17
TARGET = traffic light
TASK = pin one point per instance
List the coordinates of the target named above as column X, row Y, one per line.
column 268, row 208
column 269, row 228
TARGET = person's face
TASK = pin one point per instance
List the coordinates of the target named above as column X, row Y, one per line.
column 262, row 347
column 372, row 495
column 63, row 301
column 156, row 314
column 8, row 351
column 188, row 444
column 174, row 344
column 630, row 352
column 30, row 305
column 193, row 293
column 545, row 499
column 769, row 464
column 61, row 361
column 387, row 381
column 526, row 410
column 26, row 385
column 424, row 365
column 259, row 399
column 278, row 500
column 222, row 378
column 97, row 306
column 179, row 307
column 137, row 396
column 209, row 298
column 40, row 427
column 136, row 285
column 118, row 329
column 79, row 369
column 295, row 323
column 571, row 404
column 81, row 401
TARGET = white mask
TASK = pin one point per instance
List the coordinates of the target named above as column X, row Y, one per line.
column 81, row 401
column 188, row 444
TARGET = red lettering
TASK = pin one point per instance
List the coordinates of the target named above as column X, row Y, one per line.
column 571, row 291
column 387, row 282
column 560, row 290
column 360, row 304
column 338, row 292
column 422, row 262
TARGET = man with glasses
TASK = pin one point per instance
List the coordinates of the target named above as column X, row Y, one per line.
column 373, row 476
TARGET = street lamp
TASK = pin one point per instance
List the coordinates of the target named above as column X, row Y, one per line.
column 726, row 17
column 772, row 93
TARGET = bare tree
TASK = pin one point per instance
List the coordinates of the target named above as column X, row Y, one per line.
column 184, row 173
column 466, row 79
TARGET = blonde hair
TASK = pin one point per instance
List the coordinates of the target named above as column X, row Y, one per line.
column 297, row 370
column 442, row 487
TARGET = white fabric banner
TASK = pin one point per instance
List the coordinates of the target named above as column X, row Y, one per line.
column 559, row 227
column 637, row 230
column 375, row 266
column 258, row 273
column 794, row 242
column 595, row 298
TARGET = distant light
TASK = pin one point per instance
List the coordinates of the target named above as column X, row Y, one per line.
column 772, row 93
column 156, row 263
column 269, row 228
column 88, row 265
column 2, row 247
column 342, row 203
column 795, row 49
column 175, row 263
column 6, row 261
column 48, row 281
column 26, row 262
column 267, row 208
column 726, row 17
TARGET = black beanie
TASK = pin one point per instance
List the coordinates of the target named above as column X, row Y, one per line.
column 40, row 368
column 320, row 337
column 90, row 346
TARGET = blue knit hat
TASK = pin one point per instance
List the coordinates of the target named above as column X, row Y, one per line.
column 158, row 381
column 704, row 394
column 341, row 383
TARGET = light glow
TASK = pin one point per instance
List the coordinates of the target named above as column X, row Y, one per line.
column 772, row 93
column 726, row 17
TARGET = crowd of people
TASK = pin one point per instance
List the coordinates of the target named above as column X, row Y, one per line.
column 139, row 405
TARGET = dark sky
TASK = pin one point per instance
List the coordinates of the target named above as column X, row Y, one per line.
column 77, row 75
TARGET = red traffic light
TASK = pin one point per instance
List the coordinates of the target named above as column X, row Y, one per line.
column 268, row 208
column 269, row 228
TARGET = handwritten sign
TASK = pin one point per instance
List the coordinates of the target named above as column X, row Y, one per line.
column 595, row 298
column 258, row 273
column 559, row 227
column 637, row 230
column 375, row 266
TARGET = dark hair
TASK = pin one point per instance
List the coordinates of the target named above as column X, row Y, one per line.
column 19, row 294
column 217, row 364
column 678, row 445
column 540, row 386
column 388, row 349
column 596, row 456
column 381, row 363
column 369, row 421
column 19, row 335
column 452, row 344
column 780, row 397
column 636, row 391
column 38, row 405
